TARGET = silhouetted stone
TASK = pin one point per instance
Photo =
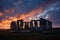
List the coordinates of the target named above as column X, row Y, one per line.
column 44, row 25
column 13, row 26
column 19, row 24
column 48, row 25
column 27, row 25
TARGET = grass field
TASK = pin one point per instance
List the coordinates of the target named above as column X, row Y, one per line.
column 29, row 36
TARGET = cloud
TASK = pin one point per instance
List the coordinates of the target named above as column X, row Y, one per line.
column 11, row 10
column 53, row 10
column 27, row 10
column 5, row 23
column 1, row 14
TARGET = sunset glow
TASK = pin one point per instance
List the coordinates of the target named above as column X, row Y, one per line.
column 28, row 10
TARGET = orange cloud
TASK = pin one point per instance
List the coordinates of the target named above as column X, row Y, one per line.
column 1, row 14
column 5, row 24
column 36, row 11
column 32, row 13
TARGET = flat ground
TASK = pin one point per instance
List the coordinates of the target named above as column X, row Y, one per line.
column 29, row 36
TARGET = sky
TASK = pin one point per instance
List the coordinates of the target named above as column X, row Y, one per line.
column 13, row 10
